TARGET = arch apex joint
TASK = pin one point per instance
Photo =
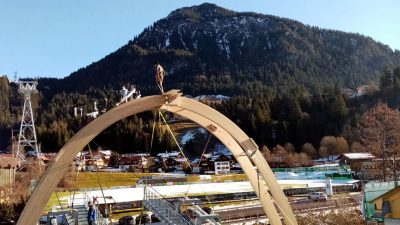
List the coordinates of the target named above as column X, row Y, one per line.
column 171, row 95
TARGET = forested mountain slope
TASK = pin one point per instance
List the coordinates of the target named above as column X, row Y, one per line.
column 209, row 49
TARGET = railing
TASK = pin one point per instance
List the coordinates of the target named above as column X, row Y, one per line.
column 52, row 216
column 100, row 220
column 164, row 210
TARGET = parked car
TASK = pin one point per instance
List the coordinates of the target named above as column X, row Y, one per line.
column 126, row 220
column 317, row 196
column 143, row 219
column 208, row 210
column 61, row 220
column 154, row 219
column 190, row 213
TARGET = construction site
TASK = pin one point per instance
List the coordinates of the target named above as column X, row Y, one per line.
column 256, row 194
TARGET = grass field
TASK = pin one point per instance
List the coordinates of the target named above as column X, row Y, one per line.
column 55, row 201
column 107, row 180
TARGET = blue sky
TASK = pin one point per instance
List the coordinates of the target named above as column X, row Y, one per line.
column 50, row 38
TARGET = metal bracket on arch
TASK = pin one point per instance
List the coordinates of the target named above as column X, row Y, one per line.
column 249, row 146
column 212, row 128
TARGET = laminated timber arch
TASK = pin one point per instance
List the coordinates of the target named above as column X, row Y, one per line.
column 242, row 147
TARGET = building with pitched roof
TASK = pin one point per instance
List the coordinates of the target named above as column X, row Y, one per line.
column 387, row 206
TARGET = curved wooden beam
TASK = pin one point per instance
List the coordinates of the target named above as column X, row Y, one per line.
column 224, row 129
column 250, row 148
column 237, row 151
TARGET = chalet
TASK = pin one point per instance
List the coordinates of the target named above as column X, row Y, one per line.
column 182, row 164
column 205, row 163
column 357, row 161
column 166, row 155
column 133, row 162
column 8, row 166
column 172, row 161
column 351, row 158
column 89, row 162
column 359, row 91
column 174, row 164
column 213, row 164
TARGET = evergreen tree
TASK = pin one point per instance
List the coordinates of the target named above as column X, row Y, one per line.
column 386, row 82
column 5, row 116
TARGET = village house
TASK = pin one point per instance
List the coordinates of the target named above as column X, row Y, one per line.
column 213, row 164
column 133, row 162
column 172, row 161
column 354, row 158
column 359, row 91
column 85, row 161
column 202, row 164
column 166, row 155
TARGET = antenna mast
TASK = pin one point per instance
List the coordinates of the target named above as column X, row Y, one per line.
column 27, row 134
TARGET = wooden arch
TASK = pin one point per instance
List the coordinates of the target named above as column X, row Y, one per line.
column 242, row 147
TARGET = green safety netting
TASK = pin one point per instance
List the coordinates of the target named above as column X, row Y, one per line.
column 344, row 168
column 373, row 190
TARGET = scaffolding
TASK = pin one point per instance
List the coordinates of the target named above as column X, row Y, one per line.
column 171, row 214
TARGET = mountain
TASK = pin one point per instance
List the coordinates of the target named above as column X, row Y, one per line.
column 209, row 49
column 282, row 80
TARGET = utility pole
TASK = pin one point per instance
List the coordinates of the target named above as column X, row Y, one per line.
column 15, row 76
column 27, row 134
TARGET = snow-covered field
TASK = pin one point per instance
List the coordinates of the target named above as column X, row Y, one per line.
column 136, row 194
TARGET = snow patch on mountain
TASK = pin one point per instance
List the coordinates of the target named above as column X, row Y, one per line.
column 211, row 97
column 189, row 135
column 221, row 149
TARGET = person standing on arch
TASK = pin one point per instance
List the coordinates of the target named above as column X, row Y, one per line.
column 159, row 75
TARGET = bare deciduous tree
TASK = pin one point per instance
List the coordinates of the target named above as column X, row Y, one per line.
column 327, row 146
column 341, row 145
column 343, row 217
column 266, row 153
column 378, row 131
column 309, row 149
column 331, row 145
column 356, row 147
column 290, row 147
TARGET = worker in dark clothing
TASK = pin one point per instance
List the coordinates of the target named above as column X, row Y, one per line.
column 91, row 217
column 159, row 75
